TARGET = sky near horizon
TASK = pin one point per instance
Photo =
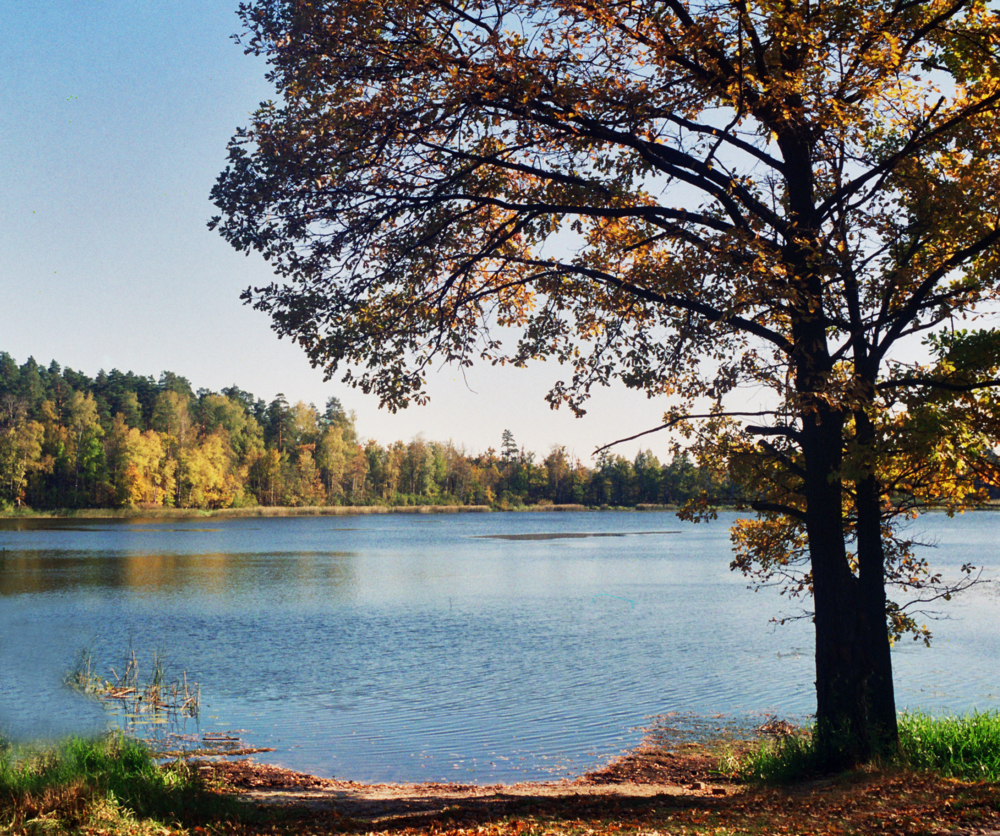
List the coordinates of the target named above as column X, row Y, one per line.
column 115, row 124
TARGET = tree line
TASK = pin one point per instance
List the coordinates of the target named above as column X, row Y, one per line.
column 120, row 439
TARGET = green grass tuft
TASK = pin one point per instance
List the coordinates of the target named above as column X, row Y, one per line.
column 966, row 747
column 71, row 781
column 775, row 760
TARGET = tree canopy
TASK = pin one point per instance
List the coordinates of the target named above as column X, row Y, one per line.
column 688, row 197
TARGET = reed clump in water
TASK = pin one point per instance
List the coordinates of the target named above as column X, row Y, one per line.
column 135, row 695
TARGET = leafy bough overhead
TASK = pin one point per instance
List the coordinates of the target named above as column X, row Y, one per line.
column 686, row 197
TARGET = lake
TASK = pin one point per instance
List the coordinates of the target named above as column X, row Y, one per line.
column 470, row 647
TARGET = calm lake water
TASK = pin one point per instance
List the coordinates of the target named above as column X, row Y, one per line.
column 447, row 647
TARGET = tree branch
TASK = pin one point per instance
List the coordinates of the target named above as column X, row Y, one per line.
column 933, row 383
column 709, row 312
column 777, row 508
column 787, row 432
column 680, row 418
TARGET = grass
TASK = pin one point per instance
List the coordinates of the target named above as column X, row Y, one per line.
column 775, row 760
column 111, row 784
column 964, row 747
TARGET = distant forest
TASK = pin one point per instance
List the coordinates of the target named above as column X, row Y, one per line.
column 123, row 440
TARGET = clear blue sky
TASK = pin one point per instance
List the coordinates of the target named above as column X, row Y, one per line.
column 115, row 119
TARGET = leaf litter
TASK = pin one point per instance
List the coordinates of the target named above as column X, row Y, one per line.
column 650, row 791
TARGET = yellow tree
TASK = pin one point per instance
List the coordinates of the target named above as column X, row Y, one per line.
column 152, row 473
column 305, row 421
column 307, row 485
column 331, row 456
column 683, row 196
column 86, row 446
column 357, row 471
column 395, row 456
column 140, row 471
column 265, row 478
column 205, row 477
column 55, row 450
column 20, row 450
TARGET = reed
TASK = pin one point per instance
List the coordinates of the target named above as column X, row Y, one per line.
column 339, row 510
column 155, row 513
column 135, row 695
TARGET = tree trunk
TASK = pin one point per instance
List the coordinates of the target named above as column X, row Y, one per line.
column 871, row 578
column 851, row 670
column 855, row 708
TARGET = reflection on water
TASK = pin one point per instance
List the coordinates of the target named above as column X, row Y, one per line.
column 473, row 647
column 38, row 572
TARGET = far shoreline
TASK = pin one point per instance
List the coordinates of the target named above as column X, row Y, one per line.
column 307, row 511
column 136, row 513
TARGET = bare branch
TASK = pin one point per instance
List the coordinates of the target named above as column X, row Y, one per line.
column 679, row 419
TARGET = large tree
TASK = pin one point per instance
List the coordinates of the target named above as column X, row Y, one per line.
column 683, row 196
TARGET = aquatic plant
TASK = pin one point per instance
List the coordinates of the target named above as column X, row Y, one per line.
column 137, row 696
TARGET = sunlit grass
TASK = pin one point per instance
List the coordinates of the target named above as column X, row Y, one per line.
column 112, row 779
column 966, row 747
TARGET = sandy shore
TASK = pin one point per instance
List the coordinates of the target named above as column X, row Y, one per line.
column 642, row 773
